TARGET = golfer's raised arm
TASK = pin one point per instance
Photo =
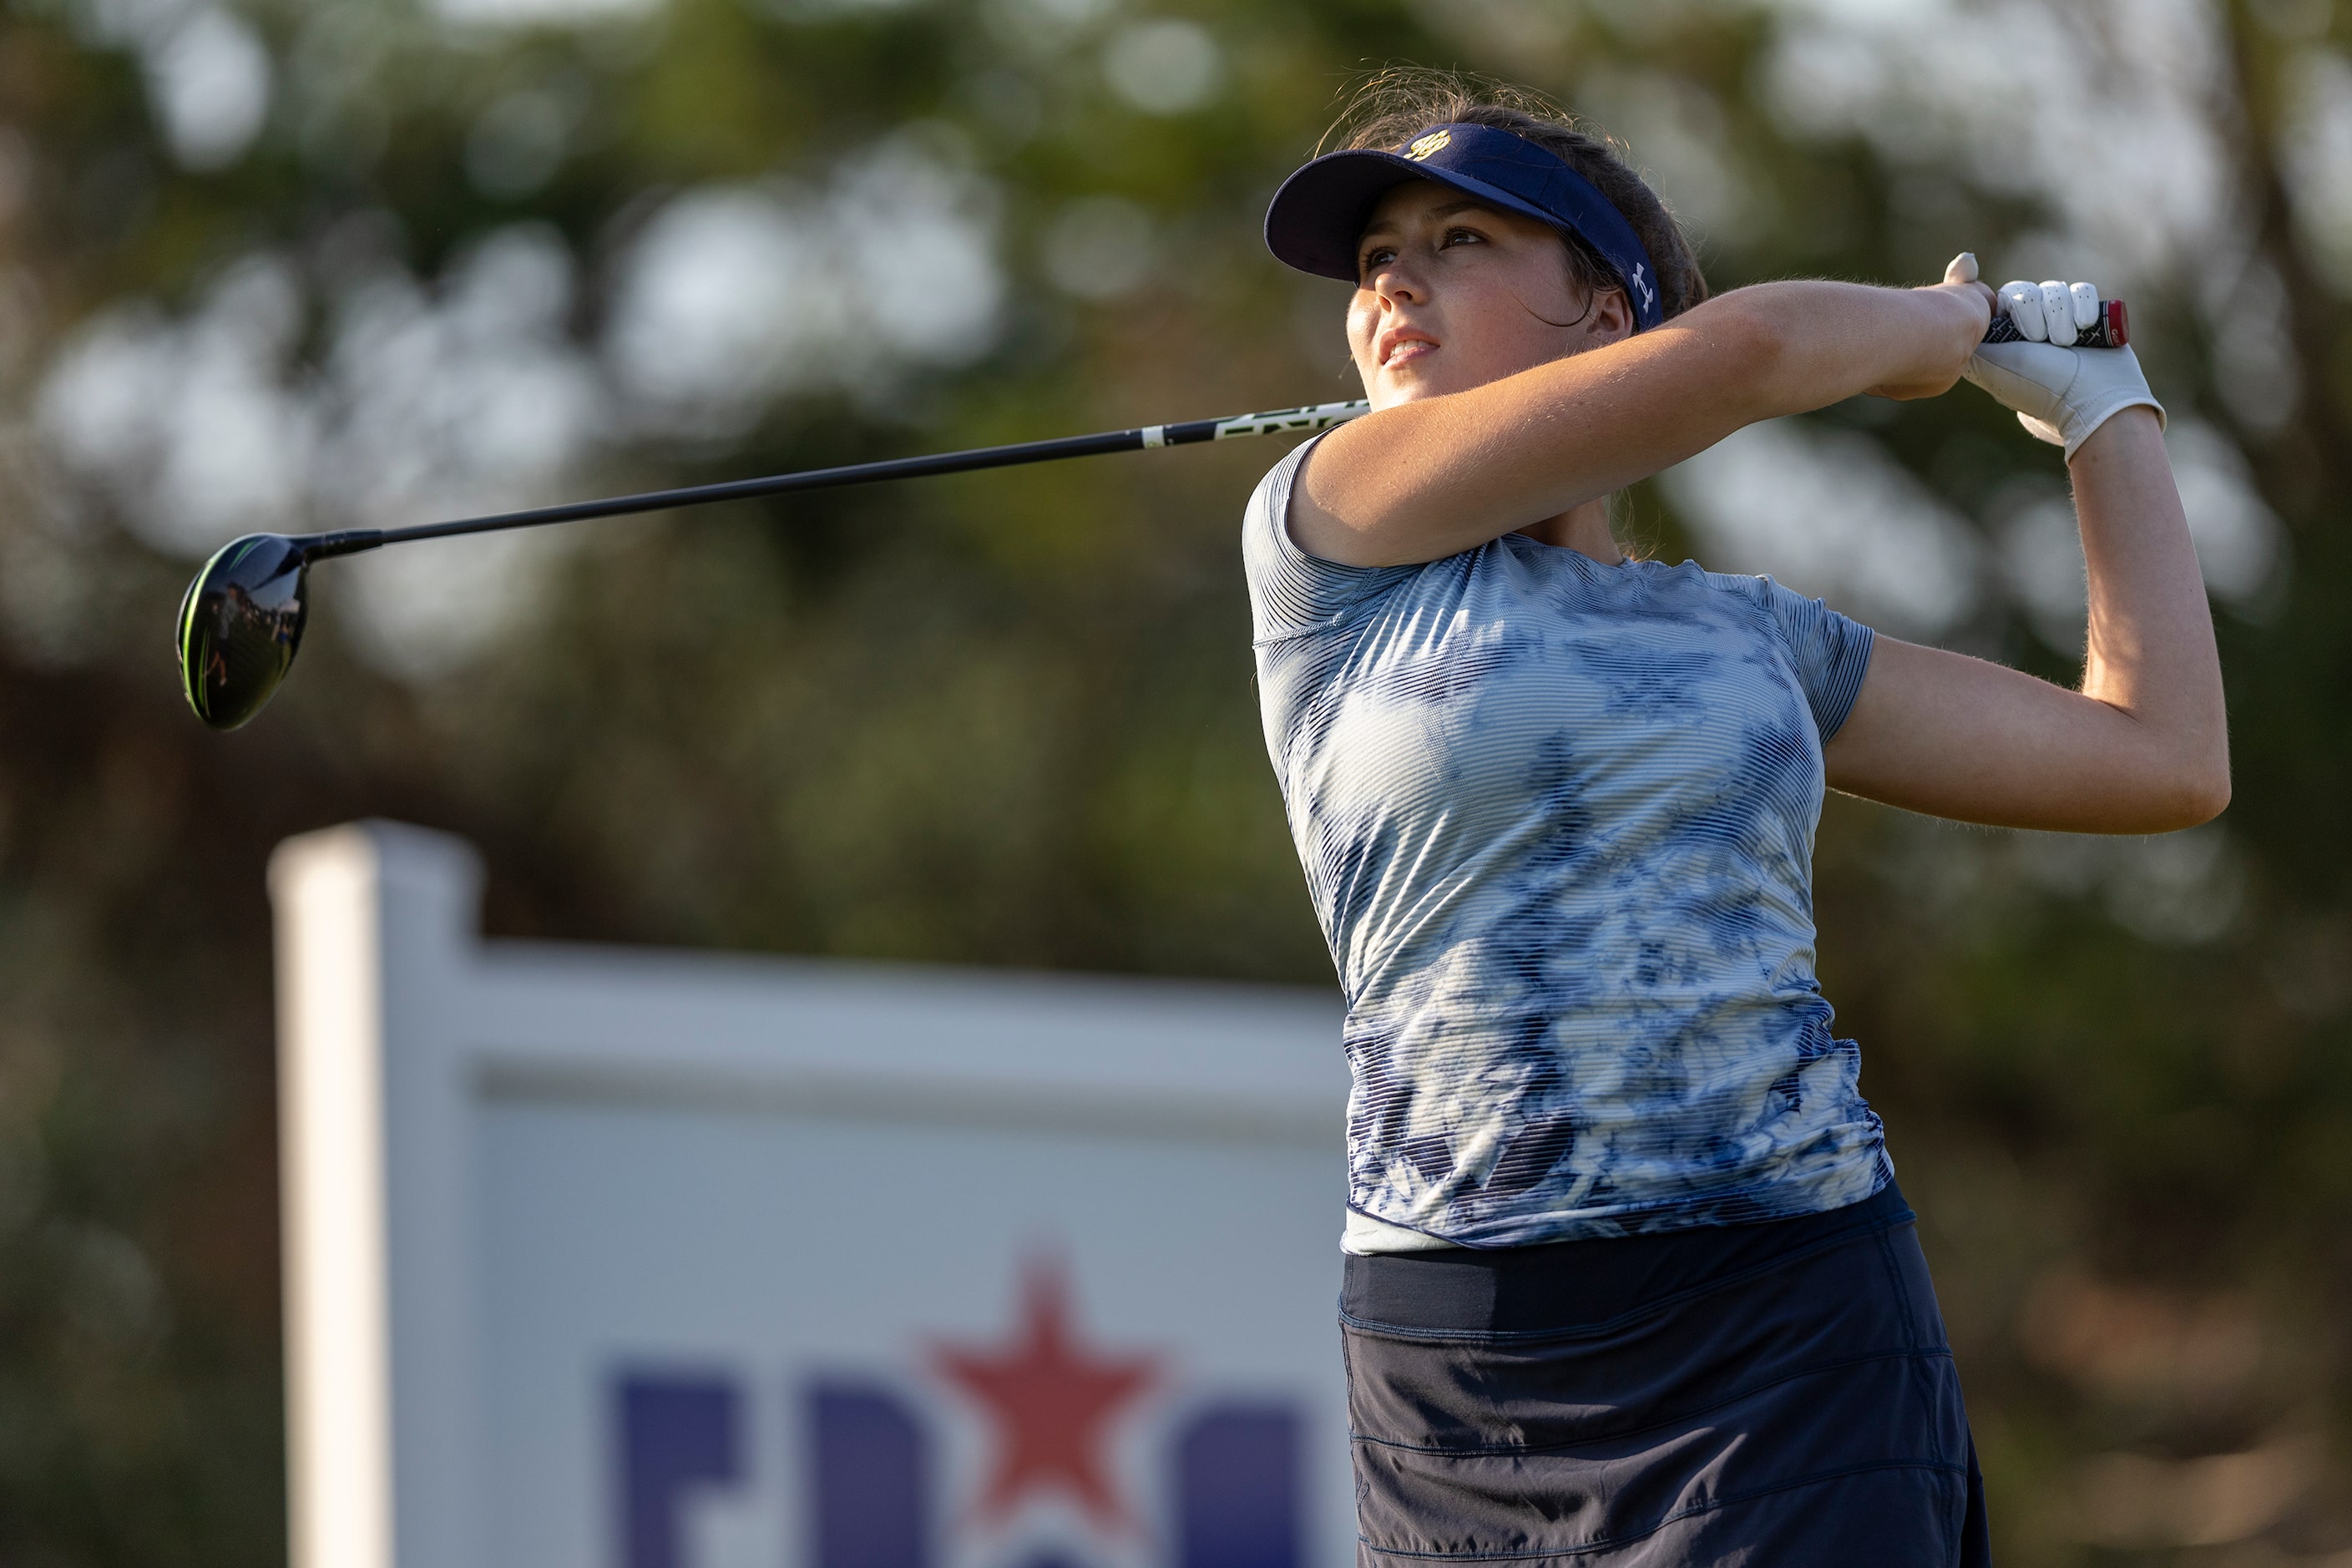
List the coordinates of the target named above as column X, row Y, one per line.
column 2142, row 747
column 1424, row 479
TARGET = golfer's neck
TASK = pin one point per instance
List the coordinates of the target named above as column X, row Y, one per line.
column 1583, row 529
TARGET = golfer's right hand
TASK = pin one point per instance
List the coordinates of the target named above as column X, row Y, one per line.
column 2059, row 395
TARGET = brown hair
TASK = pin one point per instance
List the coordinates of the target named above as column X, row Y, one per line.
column 1396, row 105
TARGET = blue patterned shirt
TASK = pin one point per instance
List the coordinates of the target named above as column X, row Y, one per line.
column 1557, row 818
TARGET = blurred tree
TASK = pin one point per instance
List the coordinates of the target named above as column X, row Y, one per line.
column 279, row 266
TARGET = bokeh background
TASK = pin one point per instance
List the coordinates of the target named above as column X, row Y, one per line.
column 296, row 264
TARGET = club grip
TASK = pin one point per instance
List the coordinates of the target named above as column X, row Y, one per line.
column 2112, row 330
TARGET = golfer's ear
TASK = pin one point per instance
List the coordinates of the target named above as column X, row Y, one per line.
column 1612, row 317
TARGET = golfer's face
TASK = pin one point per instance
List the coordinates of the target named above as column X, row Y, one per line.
column 1452, row 294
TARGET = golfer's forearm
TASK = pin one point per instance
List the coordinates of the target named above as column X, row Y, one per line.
column 1424, row 479
column 2150, row 652
column 1835, row 340
column 1598, row 422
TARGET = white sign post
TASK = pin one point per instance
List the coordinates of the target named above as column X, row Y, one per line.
column 645, row 1259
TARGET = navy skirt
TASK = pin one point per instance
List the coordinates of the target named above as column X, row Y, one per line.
column 1766, row 1394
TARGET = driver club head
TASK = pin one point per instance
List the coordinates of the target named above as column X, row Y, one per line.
column 241, row 625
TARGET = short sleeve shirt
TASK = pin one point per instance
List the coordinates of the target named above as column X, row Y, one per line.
column 1557, row 819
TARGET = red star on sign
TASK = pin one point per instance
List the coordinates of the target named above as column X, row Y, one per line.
column 1050, row 1401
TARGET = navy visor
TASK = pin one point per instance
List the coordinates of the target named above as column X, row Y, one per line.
column 1320, row 212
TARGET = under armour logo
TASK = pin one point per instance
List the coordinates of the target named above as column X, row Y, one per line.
column 1642, row 282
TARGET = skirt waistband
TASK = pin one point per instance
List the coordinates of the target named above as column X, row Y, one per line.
column 1568, row 1285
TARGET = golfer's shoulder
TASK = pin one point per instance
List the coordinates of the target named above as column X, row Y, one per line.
column 1753, row 609
column 1685, row 590
column 1754, row 595
column 1825, row 653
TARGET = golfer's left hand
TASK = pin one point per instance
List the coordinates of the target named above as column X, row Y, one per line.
column 2059, row 395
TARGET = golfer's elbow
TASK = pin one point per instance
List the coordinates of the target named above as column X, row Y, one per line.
column 2191, row 791
column 2206, row 793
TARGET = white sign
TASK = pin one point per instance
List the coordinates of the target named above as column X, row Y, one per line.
column 647, row 1260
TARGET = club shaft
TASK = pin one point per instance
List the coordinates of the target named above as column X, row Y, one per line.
column 1298, row 421
column 2109, row 331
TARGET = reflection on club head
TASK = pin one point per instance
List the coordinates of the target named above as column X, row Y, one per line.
column 241, row 625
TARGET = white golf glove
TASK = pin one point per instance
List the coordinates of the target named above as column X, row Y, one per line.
column 2060, row 393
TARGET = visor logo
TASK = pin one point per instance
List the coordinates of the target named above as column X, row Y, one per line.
column 1436, row 142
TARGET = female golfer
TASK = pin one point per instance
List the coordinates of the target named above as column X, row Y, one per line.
column 1629, row 1280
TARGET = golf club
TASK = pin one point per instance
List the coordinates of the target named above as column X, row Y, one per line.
column 240, row 623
